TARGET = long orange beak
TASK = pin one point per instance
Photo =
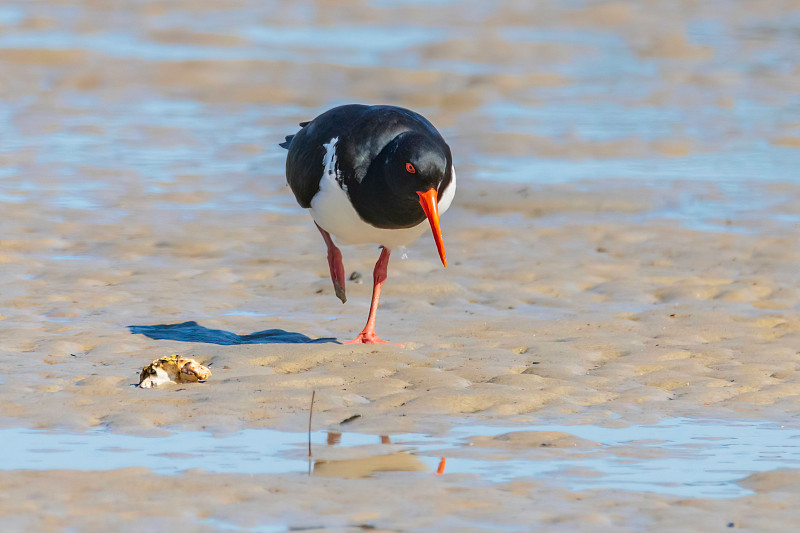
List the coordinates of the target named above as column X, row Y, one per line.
column 430, row 204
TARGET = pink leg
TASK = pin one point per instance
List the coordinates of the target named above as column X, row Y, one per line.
column 335, row 264
column 367, row 336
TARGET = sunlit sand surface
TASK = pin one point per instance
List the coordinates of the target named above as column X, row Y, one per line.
column 623, row 253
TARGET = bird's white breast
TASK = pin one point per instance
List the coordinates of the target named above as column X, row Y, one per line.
column 332, row 210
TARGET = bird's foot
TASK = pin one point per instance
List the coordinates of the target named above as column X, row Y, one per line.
column 339, row 289
column 369, row 337
column 335, row 265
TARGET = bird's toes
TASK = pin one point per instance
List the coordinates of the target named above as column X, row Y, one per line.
column 339, row 291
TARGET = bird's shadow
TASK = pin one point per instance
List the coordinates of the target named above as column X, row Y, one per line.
column 193, row 332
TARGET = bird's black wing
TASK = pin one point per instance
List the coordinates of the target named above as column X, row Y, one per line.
column 288, row 142
column 304, row 163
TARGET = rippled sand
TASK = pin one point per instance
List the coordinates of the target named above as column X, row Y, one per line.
column 643, row 265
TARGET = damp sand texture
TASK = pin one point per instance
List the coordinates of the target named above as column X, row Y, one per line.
column 623, row 253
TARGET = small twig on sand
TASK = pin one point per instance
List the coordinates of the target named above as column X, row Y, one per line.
column 310, row 413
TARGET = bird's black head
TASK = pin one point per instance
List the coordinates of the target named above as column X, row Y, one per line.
column 415, row 163
column 403, row 184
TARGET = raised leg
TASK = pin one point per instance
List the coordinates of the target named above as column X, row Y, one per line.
column 335, row 264
column 367, row 336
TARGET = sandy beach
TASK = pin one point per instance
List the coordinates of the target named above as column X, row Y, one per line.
column 145, row 213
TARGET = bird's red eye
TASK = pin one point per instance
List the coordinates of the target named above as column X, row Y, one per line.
column 410, row 168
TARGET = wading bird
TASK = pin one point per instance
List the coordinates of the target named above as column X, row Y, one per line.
column 371, row 174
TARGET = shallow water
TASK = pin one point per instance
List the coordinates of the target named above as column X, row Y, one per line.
column 536, row 95
column 692, row 458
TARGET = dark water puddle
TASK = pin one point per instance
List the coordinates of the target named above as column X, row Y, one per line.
column 680, row 456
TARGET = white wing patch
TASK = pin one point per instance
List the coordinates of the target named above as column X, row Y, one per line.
column 329, row 160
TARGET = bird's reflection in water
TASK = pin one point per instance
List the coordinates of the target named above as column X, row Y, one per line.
column 334, row 438
column 361, row 467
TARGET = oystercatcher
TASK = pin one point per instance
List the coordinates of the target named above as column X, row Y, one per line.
column 370, row 174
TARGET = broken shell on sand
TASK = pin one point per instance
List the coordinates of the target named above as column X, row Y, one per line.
column 172, row 369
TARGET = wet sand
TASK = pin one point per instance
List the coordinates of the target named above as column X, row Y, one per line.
column 581, row 313
column 212, row 502
column 142, row 186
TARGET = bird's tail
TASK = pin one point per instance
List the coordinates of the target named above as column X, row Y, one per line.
column 288, row 142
